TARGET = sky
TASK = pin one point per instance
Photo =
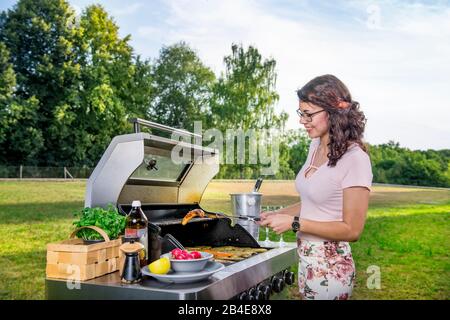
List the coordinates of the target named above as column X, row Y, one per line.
column 394, row 56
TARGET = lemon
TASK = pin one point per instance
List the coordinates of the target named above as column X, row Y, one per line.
column 160, row 266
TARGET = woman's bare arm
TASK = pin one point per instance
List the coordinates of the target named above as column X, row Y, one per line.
column 292, row 210
column 356, row 202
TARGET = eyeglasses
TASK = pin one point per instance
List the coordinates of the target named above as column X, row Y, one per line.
column 307, row 116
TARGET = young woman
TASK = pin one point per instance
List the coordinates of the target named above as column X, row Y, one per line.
column 334, row 186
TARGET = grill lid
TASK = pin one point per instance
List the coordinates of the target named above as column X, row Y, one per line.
column 152, row 169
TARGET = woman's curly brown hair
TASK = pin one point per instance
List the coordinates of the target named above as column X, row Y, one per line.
column 346, row 122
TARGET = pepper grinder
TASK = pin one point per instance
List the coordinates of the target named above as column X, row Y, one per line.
column 131, row 272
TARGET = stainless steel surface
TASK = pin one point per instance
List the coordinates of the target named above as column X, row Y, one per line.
column 256, row 219
column 150, row 124
column 112, row 180
column 224, row 284
column 222, row 215
column 141, row 166
column 247, row 204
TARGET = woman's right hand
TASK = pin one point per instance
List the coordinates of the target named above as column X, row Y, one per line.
column 264, row 214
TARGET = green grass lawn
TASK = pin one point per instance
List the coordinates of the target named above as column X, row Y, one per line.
column 406, row 235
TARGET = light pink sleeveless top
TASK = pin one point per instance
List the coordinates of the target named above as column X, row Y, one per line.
column 322, row 192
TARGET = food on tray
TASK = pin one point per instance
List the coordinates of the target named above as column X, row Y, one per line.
column 179, row 254
column 160, row 266
column 229, row 253
column 218, row 254
column 191, row 214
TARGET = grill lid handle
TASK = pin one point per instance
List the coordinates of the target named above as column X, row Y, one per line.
column 137, row 122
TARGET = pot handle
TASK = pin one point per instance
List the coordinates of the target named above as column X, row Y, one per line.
column 100, row 231
column 258, row 184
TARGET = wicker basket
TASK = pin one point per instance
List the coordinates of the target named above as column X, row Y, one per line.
column 75, row 260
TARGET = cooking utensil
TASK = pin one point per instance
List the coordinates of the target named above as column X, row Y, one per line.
column 253, row 219
column 246, row 204
column 258, row 184
column 247, row 207
column 248, row 218
column 168, row 238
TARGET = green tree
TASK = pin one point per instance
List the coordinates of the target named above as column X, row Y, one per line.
column 245, row 95
column 140, row 94
column 7, row 74
column 298, row 146
column 81, row 76
column 20, row 138
column 107, row 78
column 394, row 164
column 39, row 35
column 244, row 98
column 181, row 89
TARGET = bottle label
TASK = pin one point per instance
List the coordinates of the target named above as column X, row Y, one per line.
column 131, row 233
column 140, row 233
column 135, row 233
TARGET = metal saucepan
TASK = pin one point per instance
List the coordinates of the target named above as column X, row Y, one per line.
column 247, row 204
column 247, row 207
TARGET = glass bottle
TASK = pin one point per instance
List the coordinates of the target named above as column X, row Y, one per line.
column 136, row 229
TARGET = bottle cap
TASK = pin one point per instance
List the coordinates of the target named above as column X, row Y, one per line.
column 131, row 247
column 136, row 203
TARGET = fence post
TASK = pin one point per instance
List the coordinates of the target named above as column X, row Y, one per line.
column 20, row 172
column 67, row 173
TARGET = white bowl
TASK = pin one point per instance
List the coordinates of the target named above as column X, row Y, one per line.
column 192, row 265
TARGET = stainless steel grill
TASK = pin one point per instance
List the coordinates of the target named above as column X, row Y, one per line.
column 141, row 166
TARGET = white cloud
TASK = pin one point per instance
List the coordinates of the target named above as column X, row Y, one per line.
column 148, row 31
column 398, row 70
column 127, row 10
column 391, row 70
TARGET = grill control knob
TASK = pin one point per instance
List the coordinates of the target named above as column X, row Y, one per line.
column 266, row 291
column 259, row 294
column 250, row 294
column 289, row 277
column 243, row 296
column 277, row 285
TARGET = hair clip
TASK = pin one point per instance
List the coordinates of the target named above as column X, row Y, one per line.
column 343, row 104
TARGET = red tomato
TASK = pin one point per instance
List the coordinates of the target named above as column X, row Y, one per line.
column 196, row 254
column 184, row 255
column 176, row 251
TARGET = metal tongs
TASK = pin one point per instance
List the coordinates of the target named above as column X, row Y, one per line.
column 173, row 241
column 248, row 218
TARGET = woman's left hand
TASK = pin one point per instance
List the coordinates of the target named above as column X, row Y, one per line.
column 278, row 222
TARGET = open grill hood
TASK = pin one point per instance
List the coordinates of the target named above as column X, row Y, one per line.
column 127, row 172
column 139, row 166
